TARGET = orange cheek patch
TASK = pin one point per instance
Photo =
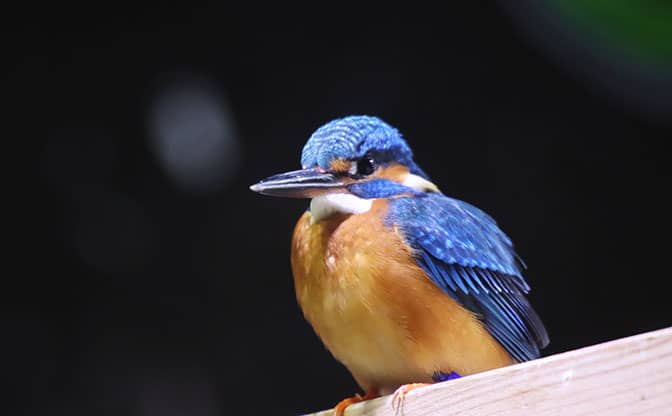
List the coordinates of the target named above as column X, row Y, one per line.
column 396, row 173
column 339, row 165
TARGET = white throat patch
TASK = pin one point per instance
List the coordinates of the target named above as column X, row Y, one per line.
column 324, row 206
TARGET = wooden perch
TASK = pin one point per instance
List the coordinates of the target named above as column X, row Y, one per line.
column 628, row 376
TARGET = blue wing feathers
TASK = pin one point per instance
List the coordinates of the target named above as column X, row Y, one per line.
column 464, row 252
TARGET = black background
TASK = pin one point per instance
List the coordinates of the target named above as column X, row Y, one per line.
column 140, row 297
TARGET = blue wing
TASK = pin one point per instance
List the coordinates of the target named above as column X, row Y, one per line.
column 465, row 253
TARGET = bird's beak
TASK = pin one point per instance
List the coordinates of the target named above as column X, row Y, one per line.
column 305, row 183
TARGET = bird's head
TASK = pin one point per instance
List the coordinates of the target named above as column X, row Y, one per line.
column 347, row 163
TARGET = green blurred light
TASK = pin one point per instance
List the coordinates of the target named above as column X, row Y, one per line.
column 638, row 30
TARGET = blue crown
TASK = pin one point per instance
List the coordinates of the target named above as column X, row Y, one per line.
column 353, row 137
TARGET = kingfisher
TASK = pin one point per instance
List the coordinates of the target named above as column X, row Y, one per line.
column 404, row 285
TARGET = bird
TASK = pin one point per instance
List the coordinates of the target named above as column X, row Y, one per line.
column 404, row 285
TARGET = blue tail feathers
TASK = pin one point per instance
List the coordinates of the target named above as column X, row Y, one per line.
column 440, row 376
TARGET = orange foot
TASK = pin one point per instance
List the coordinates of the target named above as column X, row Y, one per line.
column 400, row 395
column 339, row 410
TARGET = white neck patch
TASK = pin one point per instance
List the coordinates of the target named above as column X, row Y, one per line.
column 324, row 206
column 419, row 183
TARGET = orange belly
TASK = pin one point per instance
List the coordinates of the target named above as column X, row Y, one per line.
column 375, row 309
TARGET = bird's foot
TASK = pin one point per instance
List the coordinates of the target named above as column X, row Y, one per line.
column 339, row 410
column 399, row 395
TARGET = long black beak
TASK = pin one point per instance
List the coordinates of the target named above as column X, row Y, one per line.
column 305, row 183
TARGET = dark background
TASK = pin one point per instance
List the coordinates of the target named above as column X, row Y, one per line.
column 160, row 285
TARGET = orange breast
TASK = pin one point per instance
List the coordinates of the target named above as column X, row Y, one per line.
column 374, row 308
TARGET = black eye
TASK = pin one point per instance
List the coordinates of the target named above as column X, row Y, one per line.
column 365, row 166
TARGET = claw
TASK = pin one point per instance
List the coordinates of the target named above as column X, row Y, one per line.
column 339, row 409
column 399, row 396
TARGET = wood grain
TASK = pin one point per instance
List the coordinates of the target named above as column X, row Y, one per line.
column 628, row 376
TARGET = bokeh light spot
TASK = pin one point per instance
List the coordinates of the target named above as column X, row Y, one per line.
column 192, row 134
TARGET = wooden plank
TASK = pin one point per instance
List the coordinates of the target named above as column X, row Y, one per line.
column 628, row 376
